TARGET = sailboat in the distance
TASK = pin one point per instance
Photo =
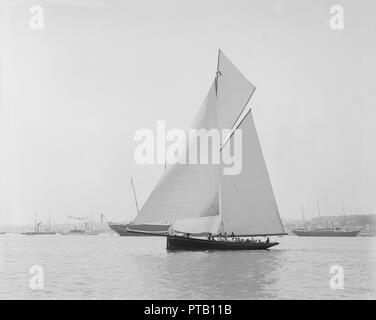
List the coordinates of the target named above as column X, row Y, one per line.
column 327, row 231
column 206, row 209
column 86, row 228
column 38, row 230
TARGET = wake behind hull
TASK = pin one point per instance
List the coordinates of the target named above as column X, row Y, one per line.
column 325, row 233
column 183, row 243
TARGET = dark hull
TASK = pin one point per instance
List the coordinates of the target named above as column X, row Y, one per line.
column 183, row 243
column 326, row 233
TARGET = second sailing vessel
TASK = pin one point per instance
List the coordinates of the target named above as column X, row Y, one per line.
column 86, row 229
column 133, row 229
column 38, row 230
column 326, row 231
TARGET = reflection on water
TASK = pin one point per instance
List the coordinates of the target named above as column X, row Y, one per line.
column 220, row 275
column 97, row 267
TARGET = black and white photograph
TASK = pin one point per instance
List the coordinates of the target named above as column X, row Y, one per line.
column 187, row 150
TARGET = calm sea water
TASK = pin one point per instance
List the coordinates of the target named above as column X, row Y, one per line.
column 112, row 267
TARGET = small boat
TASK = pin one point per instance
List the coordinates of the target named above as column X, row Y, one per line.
column 38, row 231
column 79, row 233
column 203, row 199
column 325, row 231
column 75, row 232
column 33, row 233
column 85, row 230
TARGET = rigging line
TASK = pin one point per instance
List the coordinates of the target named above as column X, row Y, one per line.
column 219, row 54
column 249, row 98
column 233, row 128
column 135, row 197
column 232, row 133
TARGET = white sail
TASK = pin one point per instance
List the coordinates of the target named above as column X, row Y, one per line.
column 186, row 190
column 233, row 91
column 187, row 196
column 198, row 225
column 248, row 206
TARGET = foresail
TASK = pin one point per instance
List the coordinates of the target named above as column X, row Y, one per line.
column 233, row 92
column 247, row 201
column 186, row 190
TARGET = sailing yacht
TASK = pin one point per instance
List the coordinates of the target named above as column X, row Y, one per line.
column 132, row 229
column 204, row 206
column 327, row 231
column 86, row 229
column 38, row 231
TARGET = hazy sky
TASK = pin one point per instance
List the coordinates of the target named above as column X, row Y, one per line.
column 73, row 94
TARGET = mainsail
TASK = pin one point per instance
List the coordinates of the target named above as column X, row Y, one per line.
column 186, row 190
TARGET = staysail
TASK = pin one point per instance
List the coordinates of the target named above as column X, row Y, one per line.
column 248, row 204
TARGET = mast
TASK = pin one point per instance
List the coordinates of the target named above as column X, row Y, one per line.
column 344, row 215
column 134, row 193
column 301, row 208
column 165, row 160
column 318, row 210
column 217, row 74
column 221, row 228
